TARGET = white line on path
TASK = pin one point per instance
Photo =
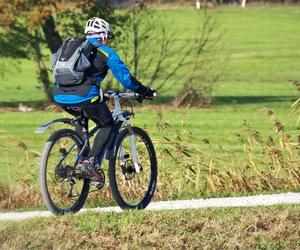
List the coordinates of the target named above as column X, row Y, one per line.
column 244, row 201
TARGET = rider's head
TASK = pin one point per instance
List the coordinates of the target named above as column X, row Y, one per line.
column 97, row 31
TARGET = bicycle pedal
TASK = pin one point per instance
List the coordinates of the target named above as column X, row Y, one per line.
column 98, row 178
column 98, row 185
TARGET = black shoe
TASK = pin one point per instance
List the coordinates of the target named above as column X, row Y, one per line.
column 88, row 169
column 85, row 168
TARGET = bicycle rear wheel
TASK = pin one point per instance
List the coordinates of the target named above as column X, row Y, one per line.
column 133, row 190
column 61, row 192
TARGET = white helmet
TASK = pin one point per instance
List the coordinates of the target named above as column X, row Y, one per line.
column 98, row 28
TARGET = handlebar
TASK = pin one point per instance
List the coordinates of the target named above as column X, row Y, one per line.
column 111, row 94
column 137, row 96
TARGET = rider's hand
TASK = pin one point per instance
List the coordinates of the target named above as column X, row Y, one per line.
column 144, row 92
column 150, row 93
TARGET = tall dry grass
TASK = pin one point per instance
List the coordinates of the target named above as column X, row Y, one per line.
column 20, row 189
column 266, row 164
column 296, row 105
column 21, row 196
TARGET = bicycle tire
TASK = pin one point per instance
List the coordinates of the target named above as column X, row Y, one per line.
column 143, row 203
column 46, row 196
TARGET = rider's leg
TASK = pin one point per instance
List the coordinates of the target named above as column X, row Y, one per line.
column 101, row 115
column 78, row 127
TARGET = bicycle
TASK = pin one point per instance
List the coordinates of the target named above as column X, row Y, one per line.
column 132, row 160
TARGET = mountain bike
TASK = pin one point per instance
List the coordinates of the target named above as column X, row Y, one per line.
column 132, row 167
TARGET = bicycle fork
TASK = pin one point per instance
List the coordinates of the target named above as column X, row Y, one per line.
column 135, row 159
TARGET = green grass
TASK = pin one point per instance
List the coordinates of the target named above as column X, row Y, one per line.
column 218, row 125
column 21, row 86
column 274, row 227
column 261, row 44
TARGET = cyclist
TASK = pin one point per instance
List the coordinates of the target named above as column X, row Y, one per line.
column 86, row 97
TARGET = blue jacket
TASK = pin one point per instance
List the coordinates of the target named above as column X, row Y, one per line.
column 102, row 58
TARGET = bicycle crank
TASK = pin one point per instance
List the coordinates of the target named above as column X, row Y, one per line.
column 98, row 178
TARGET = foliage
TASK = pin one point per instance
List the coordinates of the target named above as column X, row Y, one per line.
column 248, row 72
column 30, row 25
column 189, row 165
column 19, row 191
column 23, row 196
column 296, row 104
column 149, row 46
column 267, row 164
column 205, row 66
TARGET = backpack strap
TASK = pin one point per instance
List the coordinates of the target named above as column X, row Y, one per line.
column 87, row 48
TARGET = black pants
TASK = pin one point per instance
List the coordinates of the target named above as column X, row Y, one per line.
column 99, row 113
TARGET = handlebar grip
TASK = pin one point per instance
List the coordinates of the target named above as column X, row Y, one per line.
column 140, row 97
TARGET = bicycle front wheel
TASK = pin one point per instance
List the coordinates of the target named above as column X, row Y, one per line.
column 61, row 192
column 132, row 190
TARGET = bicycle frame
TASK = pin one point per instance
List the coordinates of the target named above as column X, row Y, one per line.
column 119, row 116
column 122, row 120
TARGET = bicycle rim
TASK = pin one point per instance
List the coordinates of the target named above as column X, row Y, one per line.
column 135, row 189
column 61, row 160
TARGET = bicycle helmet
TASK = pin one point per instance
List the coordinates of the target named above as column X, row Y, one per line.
column 97, row 30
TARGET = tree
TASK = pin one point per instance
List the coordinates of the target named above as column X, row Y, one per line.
column 205, row 65
column 27, row 26
column 160, row 55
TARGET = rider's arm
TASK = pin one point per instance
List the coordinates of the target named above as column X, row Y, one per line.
column 120, row 71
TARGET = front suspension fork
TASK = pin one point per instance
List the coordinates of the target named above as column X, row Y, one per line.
column 135, row 159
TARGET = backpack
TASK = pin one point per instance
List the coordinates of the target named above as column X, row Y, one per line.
column 70, row 62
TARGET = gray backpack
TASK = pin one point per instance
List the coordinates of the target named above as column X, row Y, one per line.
column 70, row 62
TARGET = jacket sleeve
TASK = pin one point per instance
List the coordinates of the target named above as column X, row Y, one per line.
column 119, row 69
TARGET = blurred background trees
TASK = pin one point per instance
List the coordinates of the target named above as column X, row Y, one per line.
column 156, row 55
column 30, row 27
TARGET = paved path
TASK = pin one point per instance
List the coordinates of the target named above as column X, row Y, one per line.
column 244, row 201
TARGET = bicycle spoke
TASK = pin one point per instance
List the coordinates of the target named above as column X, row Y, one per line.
column 133, row 186
column 63, row 189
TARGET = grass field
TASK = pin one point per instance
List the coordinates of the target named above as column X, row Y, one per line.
column 261, row 42
column 262, row 48
column 234, row 228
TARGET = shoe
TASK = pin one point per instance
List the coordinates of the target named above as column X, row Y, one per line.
column 85, row 168
column 88, row 169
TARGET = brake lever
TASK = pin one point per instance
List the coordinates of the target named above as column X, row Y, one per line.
column 140, row 98
column 148, row 98
column 151, row 98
